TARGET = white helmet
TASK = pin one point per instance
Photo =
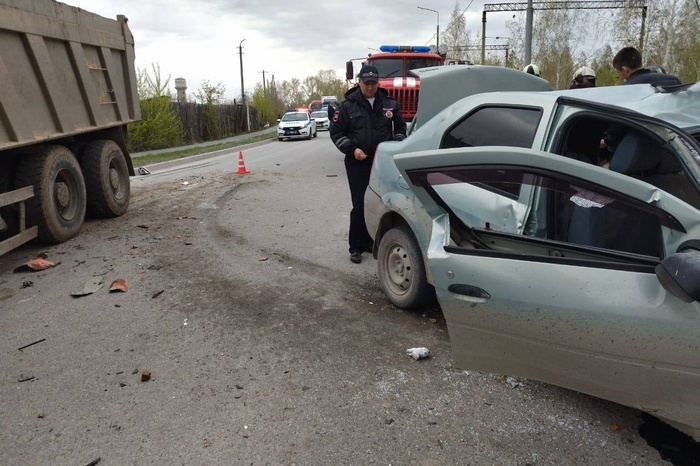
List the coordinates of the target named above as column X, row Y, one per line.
column 532, row 69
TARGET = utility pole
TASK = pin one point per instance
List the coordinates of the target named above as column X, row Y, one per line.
column 437, row 34
column 240, row 52
column 247, row 114
column 528, row 33
column 264, row 83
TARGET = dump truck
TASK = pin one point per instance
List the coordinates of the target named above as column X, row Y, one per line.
column 68, row 92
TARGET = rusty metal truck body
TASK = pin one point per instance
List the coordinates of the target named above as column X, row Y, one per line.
column 67, row 91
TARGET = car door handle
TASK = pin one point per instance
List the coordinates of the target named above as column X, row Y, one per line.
column 469, row 292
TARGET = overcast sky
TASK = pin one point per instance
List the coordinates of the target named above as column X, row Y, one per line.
column 198, row 39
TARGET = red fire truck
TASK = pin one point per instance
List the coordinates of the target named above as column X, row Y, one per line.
column 393, row 63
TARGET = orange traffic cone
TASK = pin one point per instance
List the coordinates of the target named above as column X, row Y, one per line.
column 241, row 165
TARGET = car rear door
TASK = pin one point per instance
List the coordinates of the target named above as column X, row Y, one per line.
column 573, row 301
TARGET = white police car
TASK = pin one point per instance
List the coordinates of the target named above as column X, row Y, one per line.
column 296, row 125
column 321, row 118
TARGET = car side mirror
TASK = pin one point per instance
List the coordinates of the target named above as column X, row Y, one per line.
column 679, row 274
column 349, row 72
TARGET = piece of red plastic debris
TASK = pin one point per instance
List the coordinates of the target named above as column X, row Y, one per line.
column 118, row 285
column 145, row 376
column 36, row 264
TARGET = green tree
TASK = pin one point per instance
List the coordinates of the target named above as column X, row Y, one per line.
column 265, row 105
column 210, row 95
column 160, row 125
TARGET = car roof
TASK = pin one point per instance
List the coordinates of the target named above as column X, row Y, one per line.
column 441, row 86
column 444, row 85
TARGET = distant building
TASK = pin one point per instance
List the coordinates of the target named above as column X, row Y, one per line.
column 181, row 88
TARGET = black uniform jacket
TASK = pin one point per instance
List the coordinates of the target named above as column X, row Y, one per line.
column 356, row 124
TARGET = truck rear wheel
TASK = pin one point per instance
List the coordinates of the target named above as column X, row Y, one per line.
column 58, row 205
column 106, row 179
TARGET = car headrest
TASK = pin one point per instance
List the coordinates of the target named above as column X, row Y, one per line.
column 634, row 154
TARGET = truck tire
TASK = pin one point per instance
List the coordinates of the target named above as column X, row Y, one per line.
column 58, row 205
column 401, row 269
column 106, row 179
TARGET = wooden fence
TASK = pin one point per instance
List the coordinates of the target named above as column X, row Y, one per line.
column 230, row 120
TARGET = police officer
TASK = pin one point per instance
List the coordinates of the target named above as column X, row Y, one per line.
column 366, row 117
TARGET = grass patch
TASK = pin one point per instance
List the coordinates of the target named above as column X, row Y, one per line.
column 182, row 153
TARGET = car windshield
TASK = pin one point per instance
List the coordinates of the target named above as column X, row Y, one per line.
column 319, row 115
column 295, row 117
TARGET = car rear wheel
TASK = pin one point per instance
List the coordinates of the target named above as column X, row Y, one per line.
column 402, row 271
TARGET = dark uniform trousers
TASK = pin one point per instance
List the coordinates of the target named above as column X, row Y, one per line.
column 358, row 172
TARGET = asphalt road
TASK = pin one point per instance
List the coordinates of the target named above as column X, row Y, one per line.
column 264, row 343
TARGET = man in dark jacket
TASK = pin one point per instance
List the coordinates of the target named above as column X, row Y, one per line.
column 628, row 63
column 366, row 117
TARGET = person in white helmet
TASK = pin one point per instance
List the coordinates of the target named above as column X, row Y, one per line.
column 532, row 69
column 583, row 77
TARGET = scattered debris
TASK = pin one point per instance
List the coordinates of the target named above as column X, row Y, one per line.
column 331, row 176
column 155, row 267
column 6, row 293
column 418, row 353
column 143, row 171
column 118, row 285
column 41, row 415
column 614, row 427
column 389, row 421
column 157, row 293
column 185, row 183
column 31, row 344
column 94, row 462
column 185, row 321
column 25, row 379
column 206, row 443
column 513, row 382
column 188, row 243
column 145, row 376
column 35, row 265
column 145, row 227
column 263, row 259
column 92, row 285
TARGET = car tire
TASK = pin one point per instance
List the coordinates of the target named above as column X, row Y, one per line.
column 401, row 269
column 309, row 136
column 316, row 133
column 280, row 139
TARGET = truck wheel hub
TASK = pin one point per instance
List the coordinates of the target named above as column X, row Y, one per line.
column 114, row 178
column 62, row 194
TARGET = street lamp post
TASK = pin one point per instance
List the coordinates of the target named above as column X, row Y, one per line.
column 437, row 34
